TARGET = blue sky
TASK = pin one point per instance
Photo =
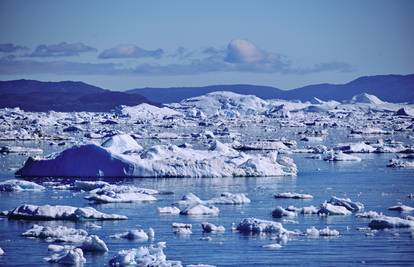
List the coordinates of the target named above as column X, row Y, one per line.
column 130, row 44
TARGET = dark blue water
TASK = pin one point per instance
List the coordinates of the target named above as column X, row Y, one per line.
column 368, row 181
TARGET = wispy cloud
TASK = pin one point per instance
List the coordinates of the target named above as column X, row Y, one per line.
column 61, row 50
column 11, row 48
column 129, row 51
column 239, row 56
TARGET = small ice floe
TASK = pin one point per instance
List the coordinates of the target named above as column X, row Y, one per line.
column 280, row 212
column 227, row 198
column 89, row 185
column 368, row 214
column 56, row 234
column 94, row 244
column 273, row 246
column 261, row 145
column 347, row 203
column 402, row 208
column 293, row 195
column 169, row 210
column 200, row 209
column 182, row 228
column 121, row 194
column 329, row 209
column 309, row 210
column 15, row 185
column 312, row 139
column 313, row 232
column 20, row 150
column 49, row 212
column 383, row 222
column 92, row 225
column 257, row 226
column 360, row 147
column 144, row 256
column 135, row 234
column 400, row 163
column 72, row 256
column 340, row 156
column 211, row 228
column 1, row 252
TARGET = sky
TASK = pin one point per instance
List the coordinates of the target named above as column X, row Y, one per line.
column 122, row 45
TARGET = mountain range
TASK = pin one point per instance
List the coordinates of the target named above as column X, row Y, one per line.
column 31, row 95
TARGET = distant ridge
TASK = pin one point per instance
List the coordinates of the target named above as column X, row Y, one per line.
column 31, row 95
column 390, row 88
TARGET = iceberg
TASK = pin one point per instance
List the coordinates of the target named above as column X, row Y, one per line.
column 347, row 203
column 293, row 195
column 257, row 226
column 383, row 222
column 93, row 160
column 330, row 209
column 15, row 185
column 200, row 209
column 182, row 228
column 94, row 244
column 144, row 256
column 72, row 256
column 169, row 210
column 56, row 234
column 138, row 234
column 401, row 208
column 313, row 232
column 280, row 212
column 48, row 212
column 212, row 228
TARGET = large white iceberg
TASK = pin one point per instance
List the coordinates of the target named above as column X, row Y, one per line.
column 73, row 256
column 48, row 212
column 56, row 234
column 93, row 160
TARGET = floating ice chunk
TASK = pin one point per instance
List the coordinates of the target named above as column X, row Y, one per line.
column 280, row 212
column 136, row 234
column 144, row 256
column 182, row 228
column 329, row 209
column 94, row 243
column 89, row 185
column 356, row 148
column 293, row 195
column 56, row 234
column 1, row 252
column 169, row 210
column 401, row 208
column 200, row 209
column 190, row 199
column 368, row 214
column 58, row 248
column 340, row 156
column 15, row 185
column 347, row 203
column 112, row 197
column 400, row 163
column 122, row 143
column 229, row 198
column 261, row 145
column 257, row 226
column 19, row 150
column 68, row 257
column 211, row 228
column 151, row 233
column 48, row 212
column 383, row 222
column 313, row 232
column 273, row 246
column 309, row 210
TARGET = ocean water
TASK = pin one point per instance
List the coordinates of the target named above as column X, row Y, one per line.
column 368, row 181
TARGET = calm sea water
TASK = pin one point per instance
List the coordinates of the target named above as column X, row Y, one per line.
column 368, row 181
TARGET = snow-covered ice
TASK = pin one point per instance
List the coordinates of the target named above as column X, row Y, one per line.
column 15, row 185
column 49, row 212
